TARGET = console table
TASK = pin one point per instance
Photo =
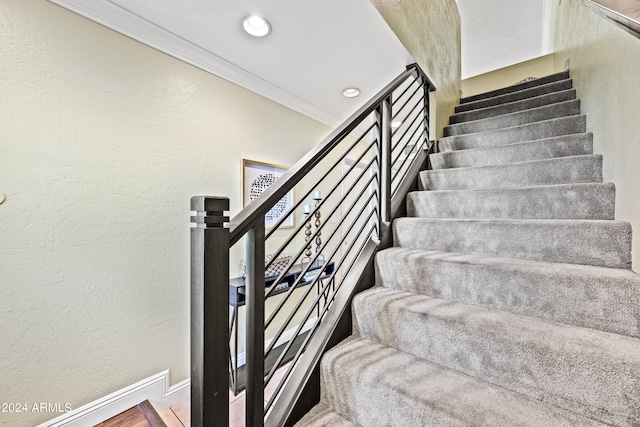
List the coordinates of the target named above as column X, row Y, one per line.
column 237, row 298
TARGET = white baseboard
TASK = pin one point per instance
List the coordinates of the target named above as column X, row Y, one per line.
column 155, row 389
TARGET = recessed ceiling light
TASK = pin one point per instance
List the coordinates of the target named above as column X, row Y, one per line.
column 351, row 92
column 256, row 25
column 396, row 124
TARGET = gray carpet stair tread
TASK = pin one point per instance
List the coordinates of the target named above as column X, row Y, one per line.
column 511, row 107
column 516, row 96
column 566, row 201
column 558, row 170
column 517, row 87
column 559, row 146
column 527, row 132
column 606, row 299
column 508, row 297
column 556, row 363
column 537, row 114
column 587, row 242
column 375, row 385
column 323, row 415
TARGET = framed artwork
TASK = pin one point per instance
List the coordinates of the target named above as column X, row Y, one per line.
column 257, row 177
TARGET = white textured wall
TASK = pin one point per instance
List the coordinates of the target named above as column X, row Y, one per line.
column 500, row 33
column 605, row 64
column 430, row 31
column 103, row 143
column 538, row 67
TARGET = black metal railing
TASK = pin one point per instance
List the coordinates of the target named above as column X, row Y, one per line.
column 341, row 198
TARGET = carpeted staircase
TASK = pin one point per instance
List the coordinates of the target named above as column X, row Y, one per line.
column 508, row 298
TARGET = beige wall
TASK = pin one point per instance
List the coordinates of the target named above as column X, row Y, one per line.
column 605, row 64
column 104, row 141
column 430, row 31
column 497, row 79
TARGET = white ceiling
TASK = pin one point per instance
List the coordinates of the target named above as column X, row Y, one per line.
column 317, row 47
column 499, row 33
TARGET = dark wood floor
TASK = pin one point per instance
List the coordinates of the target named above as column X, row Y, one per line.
column 133, row 417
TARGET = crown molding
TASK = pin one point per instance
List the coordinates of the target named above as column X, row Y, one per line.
column 123, row 21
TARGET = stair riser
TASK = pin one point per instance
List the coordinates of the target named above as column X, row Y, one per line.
column 508, row 297
column 516, row 96
column 560, row 146
column 563, row 109
column 512, row 107
column 561, row 170
column 529, row 132
column 597, row 298
column 579, row 201
column 558, row 364
column 599, row 243
column 377, row 386
column 517, row 87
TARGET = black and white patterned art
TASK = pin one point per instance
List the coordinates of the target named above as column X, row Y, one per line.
column 260, row 184
column 257, row 177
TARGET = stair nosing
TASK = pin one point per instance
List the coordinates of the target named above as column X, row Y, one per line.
column 485, row 310
column 521, row 262
column 549, row 160
column 466, row 99
column 524, row 187
column 465, row 105
column 530, row 141
column 514, row 114
column 372, row 347
column 517, row 126
column 511, row 103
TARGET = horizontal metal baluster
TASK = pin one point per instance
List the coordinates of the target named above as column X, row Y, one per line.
column 306, row 269
column 411, row 111
column 310, row 287
column 301, row 226
column 315, row 327
column 251, row 220
column 415, row 86
column 406, row 171
column 331, row 191
column 301, row 250
column 409, row 86
column 409, row 158
column 317, row 300
column 295, row 258
column 301, row 200
column 398, row 141
column 401, row 146
column 402, row 149
column 243, row 221
column 293, row 235
column 306, row 294
column 412, row 96
column 415, row 112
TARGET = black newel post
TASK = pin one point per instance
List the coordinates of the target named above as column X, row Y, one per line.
column 209, row 312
